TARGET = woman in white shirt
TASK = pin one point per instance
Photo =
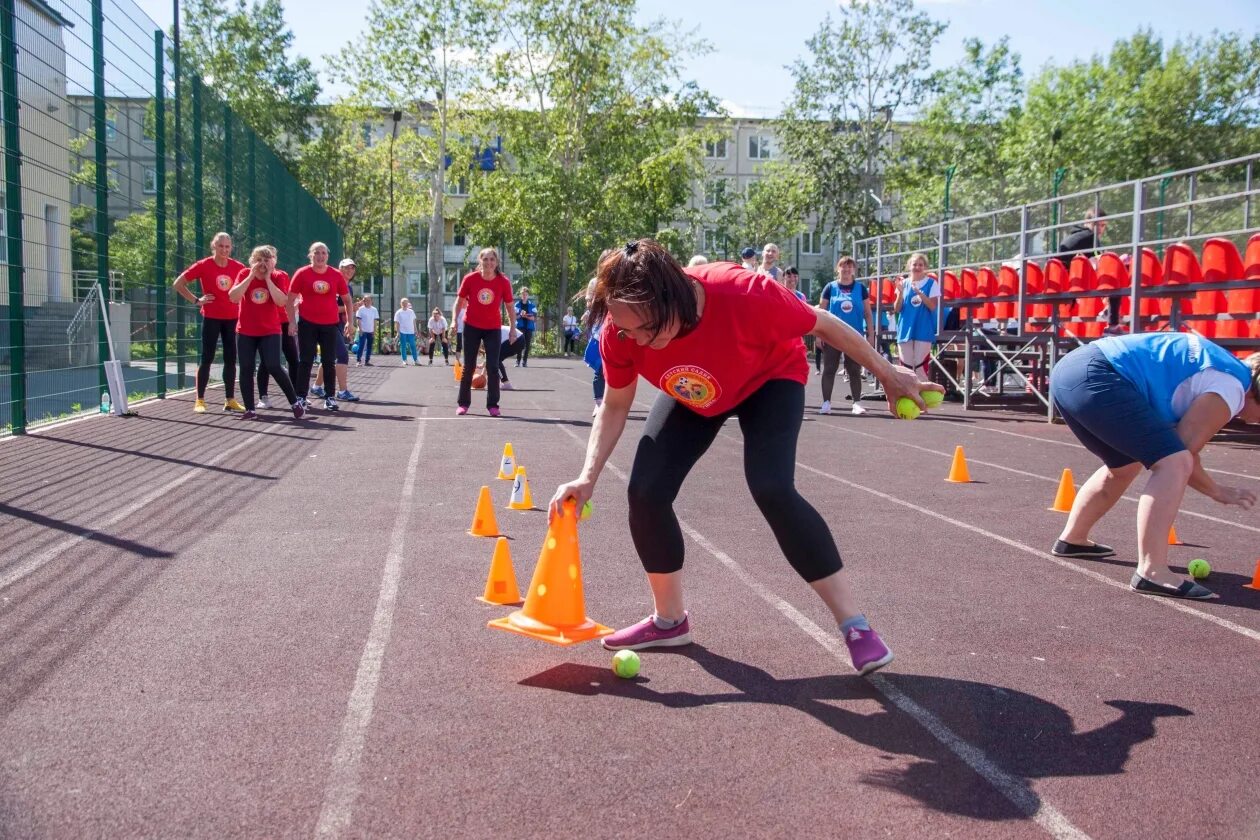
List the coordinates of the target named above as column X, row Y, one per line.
column 437, row 332
column 405, row 322
column 570, row 326
column 367, row 315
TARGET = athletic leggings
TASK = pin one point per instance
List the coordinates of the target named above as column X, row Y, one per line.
column 268, row 348
column 522, row 353
column 474, row 337
column 446, row 347
column 506, row 350
column 570, row 341
column 673, row 440
column 831, row 361
column 212, row 331
column 288, row 346
column 310, row 335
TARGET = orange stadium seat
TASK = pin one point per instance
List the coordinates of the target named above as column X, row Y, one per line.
column 1007, row 286
column 1036, row 279
column 1251, row 260
column 951, row 287
column 1112, row 273
column 1081, row 276
column 986, row 287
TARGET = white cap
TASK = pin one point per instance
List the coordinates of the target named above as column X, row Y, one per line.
column 347, row 261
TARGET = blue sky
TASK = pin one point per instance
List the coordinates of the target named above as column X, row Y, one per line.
column 754, row 41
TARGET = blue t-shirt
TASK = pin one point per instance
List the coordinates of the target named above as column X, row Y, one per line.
column 848, row 303
column 523, row 307
column 917, row 322
column 1156, row 363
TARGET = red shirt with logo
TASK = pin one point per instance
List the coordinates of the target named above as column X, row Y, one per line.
column 319, row 293
column 485, row 299
column 259, row 315
column 749, row 333
column 216, row 280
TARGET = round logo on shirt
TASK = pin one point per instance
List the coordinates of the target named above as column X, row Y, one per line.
column 485, row 297
column 223, row 282
column 916, row 301
column 691, row 386
column 320, row 287
column 259, row 296
column 846, row 306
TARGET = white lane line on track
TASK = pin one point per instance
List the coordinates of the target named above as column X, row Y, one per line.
column 1016, row 790
column 63, row 548
column 342, row 789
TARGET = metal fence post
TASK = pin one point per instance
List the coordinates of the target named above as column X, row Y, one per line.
column 180, row 253
column 13, row 218
column 1135, row 267
column 199, row 184
column 102, row 177
column 227, row 170
column 159, row 214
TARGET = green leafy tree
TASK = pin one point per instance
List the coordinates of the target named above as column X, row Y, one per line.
column 244, row 51
column 864, row 70
column 773, row 208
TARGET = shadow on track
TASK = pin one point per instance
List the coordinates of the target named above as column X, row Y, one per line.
column 1026, row 736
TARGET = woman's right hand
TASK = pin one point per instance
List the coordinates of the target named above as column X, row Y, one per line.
column 579, row 490
column 205, row 299
column 1235, row 496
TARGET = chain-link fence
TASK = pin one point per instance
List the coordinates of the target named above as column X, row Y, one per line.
column 120, row 164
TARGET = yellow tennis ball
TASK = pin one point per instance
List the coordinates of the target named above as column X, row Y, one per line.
column 1198, row 568
column 626, row 664
column 587, row 509
column 906, row 409
column 932, row 398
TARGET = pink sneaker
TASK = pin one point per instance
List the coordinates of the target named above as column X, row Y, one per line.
column 461, row 411
column 867, row 650
column 646, row 634
column 494, row 412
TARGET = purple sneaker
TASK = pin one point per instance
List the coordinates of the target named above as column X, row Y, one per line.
column 867, row 650
column 494, row 412
column 646, row 634
column 461, row 411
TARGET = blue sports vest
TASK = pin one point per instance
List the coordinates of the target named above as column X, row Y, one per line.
column 1156, row 363
column 847, row 304
column 916, row 321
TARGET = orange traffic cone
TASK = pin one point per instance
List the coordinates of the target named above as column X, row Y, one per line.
column 958, row 469
column 1172, row 536
column 501, row 586
column 555, row 610
column 521, row 498
column 459, row 371
column 484, row 524
column 507, row 466
column 1255, row 578
column 1067, row 494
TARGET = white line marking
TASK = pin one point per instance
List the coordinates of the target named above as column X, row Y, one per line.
column 342, row 789
column 1016, row 790
column 62, row 549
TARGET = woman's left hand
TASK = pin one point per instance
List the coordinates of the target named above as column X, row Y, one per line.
column 1235, row 496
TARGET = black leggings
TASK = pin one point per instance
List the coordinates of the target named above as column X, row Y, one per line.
column 212, row 331
column 506, row 350
column 309, row 336
column 570, row 341
column 673, row 440
column 268, row 348
column 831, row 362
column 474, row 337
column 288, row 346
column 522, row 352
column 446, row 346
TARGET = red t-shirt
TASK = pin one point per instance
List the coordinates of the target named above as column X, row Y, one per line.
column 485, row 297
column 749, row 333
column 319, row 293
column 258, row 311
column 217, row 281
column 282, row 281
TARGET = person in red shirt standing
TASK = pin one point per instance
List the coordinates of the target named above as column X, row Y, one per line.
column 288, row 340
column 718, row 340
column 486, row 294
column 315, row 290
column 258, row 327
column 215, row 274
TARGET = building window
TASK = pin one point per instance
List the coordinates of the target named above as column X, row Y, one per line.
column 715, row 149
column 710, row 243
column 715, row 192
column 811, row 242
column 416, row 284
column 759, row 147
column 457, row 186
column 111, row 176
column 460, row 237
column 150, row 181
column 453, row 278
column 111, row 127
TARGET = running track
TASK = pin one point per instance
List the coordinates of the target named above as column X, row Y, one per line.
column 217, row 629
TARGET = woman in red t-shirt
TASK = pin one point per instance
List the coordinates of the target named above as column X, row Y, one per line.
column 486, row 295
column 258, row 327
column 315, row 290
column 215, row 275
column 718, row 340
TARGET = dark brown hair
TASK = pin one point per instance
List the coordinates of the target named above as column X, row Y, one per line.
column 646, row 276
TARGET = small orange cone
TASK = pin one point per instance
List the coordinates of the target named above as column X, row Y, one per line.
column 501, row 586
column 507, row 466
column 958, row 469
column 521, row 498
column 1067, row 494
column 1172, row 536
column 555, row 610
column 484, row 524
column 459, row 371
column 1255, row 578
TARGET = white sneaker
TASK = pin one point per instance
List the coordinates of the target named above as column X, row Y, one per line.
column 857, row 409
column 825, row 408
column 262, row 403
column 404, row 362
column 595, row 410
column 506, row 386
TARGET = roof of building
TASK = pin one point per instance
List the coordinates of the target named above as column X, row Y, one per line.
column 49, row 11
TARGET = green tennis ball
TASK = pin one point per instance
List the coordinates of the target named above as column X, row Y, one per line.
column 906, row 409
column 626, row 664
column 587, row 509
column 932, row 398
column 1198, row 568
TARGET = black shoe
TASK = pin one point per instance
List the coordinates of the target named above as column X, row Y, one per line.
column 1188, row 590
column 1087, row 552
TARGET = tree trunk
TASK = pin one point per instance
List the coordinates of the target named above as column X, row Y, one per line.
column 437, row 223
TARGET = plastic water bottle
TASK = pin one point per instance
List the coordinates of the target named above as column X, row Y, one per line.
column 106, row 404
